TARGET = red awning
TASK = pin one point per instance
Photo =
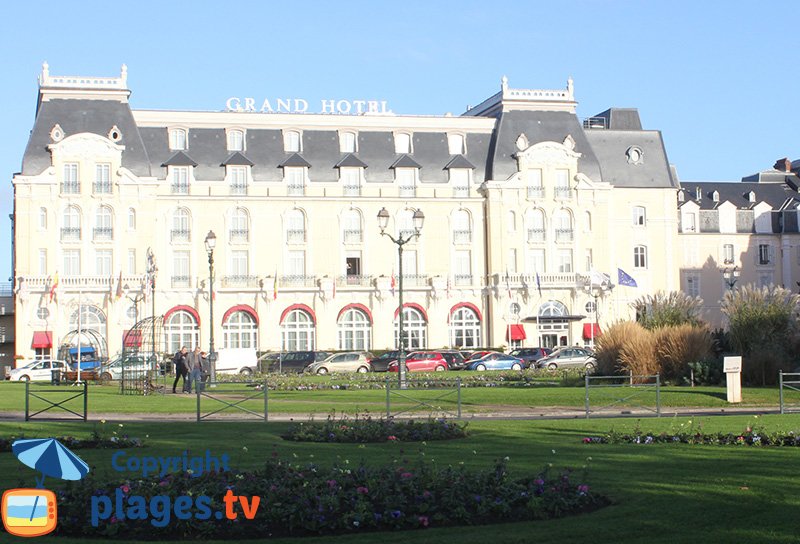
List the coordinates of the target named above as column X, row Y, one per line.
column 591, row 330
column 517, row 332
column 132, row 338
column 42, row 339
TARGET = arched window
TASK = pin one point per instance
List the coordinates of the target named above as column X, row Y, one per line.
column 43, row 218
column 640, row 257
column 562, row 223
column 71, row 226
column 235, row 140
column 462, row 229
column 240, row 225
column 415, row 329
column 291, row 141
column 465, row 328
column 536, row 226
column 181, row 226
column 352, row 230
column 180, row 330
column 240, row 330
column 131, row 219
column 297, row 331
column 402, row 143
column 295, row 227
column 177, row 139
column 511, row 222
column 405, row 223
column 103, row 224
column 354, row 330
column 587, row 221
column 455, row 144
column 91, row 318
column 347, row 142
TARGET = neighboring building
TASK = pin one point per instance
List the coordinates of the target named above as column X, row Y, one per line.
column 529, row 211
column 7, row 326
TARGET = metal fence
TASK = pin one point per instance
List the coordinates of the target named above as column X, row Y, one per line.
column 444, row 398
column 789, row 383
column 626, row 393
column 63, row 394
column 220, row 400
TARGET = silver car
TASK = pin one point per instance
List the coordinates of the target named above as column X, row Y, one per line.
column 134, row 366
column 354, row 361
column 568, row 357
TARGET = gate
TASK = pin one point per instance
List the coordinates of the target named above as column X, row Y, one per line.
column 76, row 392
column 789, row 392
column 144, row 370
column 233, row 398
column 444, row 391
column 624, row 392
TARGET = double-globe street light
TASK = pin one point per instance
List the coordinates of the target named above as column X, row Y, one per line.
column 730, row 276
column 402, row 239
column 211, row 243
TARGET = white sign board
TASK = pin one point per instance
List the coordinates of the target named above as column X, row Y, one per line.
column 733, row 364
column 733, row 373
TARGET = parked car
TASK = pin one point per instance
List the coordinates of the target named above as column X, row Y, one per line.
column 475, row 355
column 455, row 361
column 133, row 364
column 354, row 361
column 381, row 362
column 422, row 361
column 496, row 361
column 568, row 357
column 297, row 361
column 529, row 356
column 236, row 361
column 37, row 371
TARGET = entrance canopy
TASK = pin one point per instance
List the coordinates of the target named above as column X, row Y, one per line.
column 516, row 333
column 591, row 330
column 42, row 340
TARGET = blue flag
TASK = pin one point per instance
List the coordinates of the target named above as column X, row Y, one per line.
column 538, row 284
column 625, row 279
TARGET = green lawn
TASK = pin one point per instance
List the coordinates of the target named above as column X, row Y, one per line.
column 475, row 400
column 661, row 493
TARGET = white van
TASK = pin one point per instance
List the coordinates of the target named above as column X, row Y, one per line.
column 237, row 361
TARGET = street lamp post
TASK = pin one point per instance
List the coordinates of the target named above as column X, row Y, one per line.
column 211, row 243
column 152, row 270
column 730, row 276
column 135, row 299
column 400, row 241
column 596, row 291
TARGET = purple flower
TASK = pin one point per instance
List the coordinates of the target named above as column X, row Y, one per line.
column 423, row 520
column 396, row 514
column 361, row 490
column 406, row 475
column 331, row 483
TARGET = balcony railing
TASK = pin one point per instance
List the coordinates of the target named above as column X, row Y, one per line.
column 296, row 236
column 415, row 280
column 103, row 233
column 462, row 236
column 238, row 188
column 70, row 234
column 352, row 190
column 460, row 192
column 353, row 236
column 462, row 279
column 563, row 193
column 407, row 190
column 239, row 235
column 564, row 235
column 354, row 280
column 296, row 189
column 180, row 281
column 179, row 188
column 535, row 191
column 536, row 236
column 241, row 281
column 180, row 235
column 297, row 280
column 71, row 188
column 102, row 187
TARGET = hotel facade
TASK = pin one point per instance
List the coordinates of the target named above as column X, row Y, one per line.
column 529, row 213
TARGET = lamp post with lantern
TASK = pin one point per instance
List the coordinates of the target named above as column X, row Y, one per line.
column 211, row 243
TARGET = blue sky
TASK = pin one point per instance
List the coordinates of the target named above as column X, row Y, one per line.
column 719, row 79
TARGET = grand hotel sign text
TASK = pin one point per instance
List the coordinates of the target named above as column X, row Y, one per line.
column 299, row 105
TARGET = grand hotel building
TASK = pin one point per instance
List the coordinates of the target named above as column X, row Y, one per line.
column 529, row 213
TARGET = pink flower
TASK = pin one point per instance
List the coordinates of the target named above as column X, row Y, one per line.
column 125, row 489
column 583, row 489
column 391, row 437
column 406, row 475
column 331, row 483
column 426, row 494
column 361, row 490
column 423, row 520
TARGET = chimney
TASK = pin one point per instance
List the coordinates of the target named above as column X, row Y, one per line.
column 783, row 165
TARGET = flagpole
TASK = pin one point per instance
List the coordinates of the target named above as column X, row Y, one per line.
column 80, row 308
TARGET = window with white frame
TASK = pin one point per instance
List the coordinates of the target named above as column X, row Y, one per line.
column 406, row 179
column 237, row 176
column 103, row 224
column 511, row 222
column 102, row 266
column 465, row 328
column 239, row 226
column 562, row 223
column 535, row 262
column 402, row 143
column 181, row 226
column 562, row 188
column 240, row 330
column 689, row 222
column 180, row 268
column 295, row 227
column 639, row 216
column 415, row 329
column 181, row 329
column 347, row 142
column 295, row 178
column 43, row 218
column 72, row 262
column 102, row 178
column 764, row 254
column 131, row 219
column 511, row 262
column 640, row 257
column 535, row 222
column 535, row 186
column 42, row 262
column 459, row 179
column 71, row 184
column 71, row 224
column 405, row 224
column 564, row 263
column 455, row 144
column 462, row 228
column 462, row 267
column 352, row 231
column 693, row 284
column 587, row 221
column 410, row 264
column 296, row 263
column 354, row 330
column 131, row 261
column 727, row 253
column 350, row 177
column 297, row 331
column 89, row 318
column 235, row 140
column 239, row 267
column 179, row 184
column 177, row 139
column 291, row 141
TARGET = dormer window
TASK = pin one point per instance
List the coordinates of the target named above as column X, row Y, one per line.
column 402, row 143
column 347, row 142
column 751, row 196
column 235, row 140
column 455, row 144
column 681, row 196
column 177, row 139
column 291, row 141
column 698, row 194
column 715, row 196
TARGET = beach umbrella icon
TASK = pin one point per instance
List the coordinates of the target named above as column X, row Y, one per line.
column 51, row 458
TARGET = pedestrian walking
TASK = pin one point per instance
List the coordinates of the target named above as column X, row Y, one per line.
column 179, row 363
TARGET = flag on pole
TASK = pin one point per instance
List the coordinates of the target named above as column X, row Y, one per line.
column 119, row 286
column 538, row 284
column 449, row 285
column 334, row 288
column 275, row 286
column 598, row 279
column 393, row 283
column 54, row 289
column 625, row 279
column 508, row 284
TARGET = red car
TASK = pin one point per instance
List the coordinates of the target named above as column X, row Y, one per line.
column 422, row 361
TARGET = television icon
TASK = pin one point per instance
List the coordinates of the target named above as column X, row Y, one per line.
column 29, row 512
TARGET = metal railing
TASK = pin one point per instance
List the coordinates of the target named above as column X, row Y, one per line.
column 354, row 280
column 536, row 236
column 179, row 188
column 407, row 190
column 103, row 233
column 238, row 188
column 239, row 235
column 415, row 280
column 296, row 236
column 232, row 399
column 624, row 392
column 435, row 397
column 353, row 236
column 241, row 281
column 296, row 190
column 180, row 281
column 71, row 188
column 535, row 191
column 70, row 234
column 297, row 280
column 32, row 391
column 563, row 193
column 180, row 235
column 460, row 192
column 594, row 122
column 462, row 279
column 564, row 235
column 789, row 388
column 102, row 187
column 462, row 236
column 352, row 190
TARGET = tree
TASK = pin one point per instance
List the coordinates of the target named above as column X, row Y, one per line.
column 763, row 325
column 667, row 310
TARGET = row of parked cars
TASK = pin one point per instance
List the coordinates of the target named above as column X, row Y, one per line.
column 321, row 362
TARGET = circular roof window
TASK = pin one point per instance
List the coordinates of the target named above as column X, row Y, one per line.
column 634, row 154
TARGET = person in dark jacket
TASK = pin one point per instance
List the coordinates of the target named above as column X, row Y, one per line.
column 195, row 368
column 179, row 363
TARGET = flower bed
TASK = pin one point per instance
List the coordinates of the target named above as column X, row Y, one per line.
column 367, row 429
column 311, row 499
column 749, row 437
column 95, row 441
